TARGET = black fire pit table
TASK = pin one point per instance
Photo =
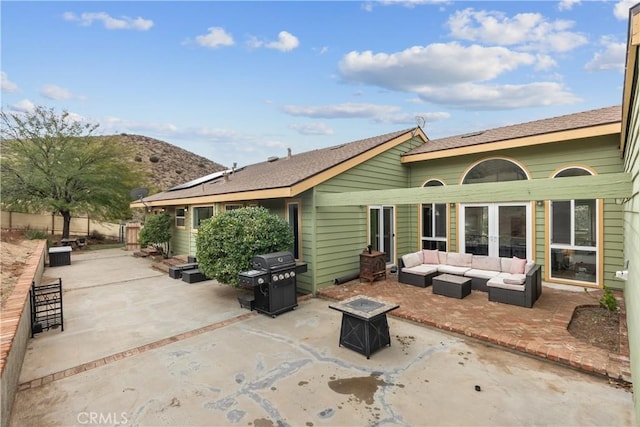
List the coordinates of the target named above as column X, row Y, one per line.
column 364, row 323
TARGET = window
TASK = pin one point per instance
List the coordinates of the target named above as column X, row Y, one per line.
column 494, row 170
column 230, row 207
column 181, row 213
column 201, row 213
column 434, row 222
column 574, row 242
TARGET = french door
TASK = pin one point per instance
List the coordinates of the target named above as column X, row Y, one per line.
column 382, row 230
column 496, row 229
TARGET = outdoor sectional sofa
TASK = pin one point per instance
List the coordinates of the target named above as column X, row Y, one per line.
column 507, row 280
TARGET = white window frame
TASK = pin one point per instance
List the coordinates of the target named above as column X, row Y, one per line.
column 182, row 217
column 571, row 245
column 194, row 226
column 433, row 238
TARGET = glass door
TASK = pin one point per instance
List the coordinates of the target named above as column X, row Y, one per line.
column 382, row 230
column 496, row 229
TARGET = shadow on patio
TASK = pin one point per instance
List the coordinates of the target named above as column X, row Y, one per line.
column 540, row 331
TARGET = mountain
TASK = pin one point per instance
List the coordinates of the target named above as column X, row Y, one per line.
column 169, row 165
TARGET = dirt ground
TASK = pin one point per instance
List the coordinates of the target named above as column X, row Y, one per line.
column 598, row 326
column 14, row 251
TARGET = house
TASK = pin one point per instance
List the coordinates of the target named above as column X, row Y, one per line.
column 547, row 190
column 328, row 239
column 563, row 191
column 630, row 152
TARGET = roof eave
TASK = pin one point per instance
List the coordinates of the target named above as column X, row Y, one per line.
column 526, row 141
column 631, row 71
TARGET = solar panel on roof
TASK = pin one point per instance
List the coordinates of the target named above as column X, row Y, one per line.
column 202, row 180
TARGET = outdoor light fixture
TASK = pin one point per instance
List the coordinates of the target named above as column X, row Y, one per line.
column 540, row 203
column 186, row 208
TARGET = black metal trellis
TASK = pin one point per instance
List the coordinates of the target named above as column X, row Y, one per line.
column 46, row 307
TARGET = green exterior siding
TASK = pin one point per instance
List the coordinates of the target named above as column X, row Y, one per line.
column 341, row 231
column 599, row 154
column 631, row 240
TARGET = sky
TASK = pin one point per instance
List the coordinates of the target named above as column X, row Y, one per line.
column 239, row 81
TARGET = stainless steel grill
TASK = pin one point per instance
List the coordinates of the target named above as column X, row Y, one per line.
column 273, row 279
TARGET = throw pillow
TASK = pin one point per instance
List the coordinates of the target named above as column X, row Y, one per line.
column 412, row 260
column 431, row 256
column 517, row 265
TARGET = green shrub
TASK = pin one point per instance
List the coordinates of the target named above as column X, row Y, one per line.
column 157, row 232
column 36, row 235
column 137, row 158
column 227, row 242
column 96, row 235
column 608, row 300
column 154, row 159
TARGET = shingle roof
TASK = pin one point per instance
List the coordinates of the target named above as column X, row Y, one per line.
column 283, row 172
column 539, row 127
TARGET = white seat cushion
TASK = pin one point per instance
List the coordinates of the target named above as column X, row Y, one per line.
column 452, row 269
column 497, row 282
column 422, row 270
column 481, row 274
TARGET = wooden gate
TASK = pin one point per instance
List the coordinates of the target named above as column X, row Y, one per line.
column 132, row 235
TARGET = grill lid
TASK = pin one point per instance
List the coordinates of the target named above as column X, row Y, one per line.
column 274, row 261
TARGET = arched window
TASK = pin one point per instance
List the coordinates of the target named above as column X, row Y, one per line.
column 574, row 235
column 434, row 222
column 494, row 170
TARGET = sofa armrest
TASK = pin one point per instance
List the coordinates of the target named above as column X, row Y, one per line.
column 533, row 285
column 400, row 264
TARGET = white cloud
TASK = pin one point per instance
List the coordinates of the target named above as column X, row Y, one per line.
column 527, row 31
column 612, row 57
column 496, row 97
column 216, row 37
column 24, row 106
column 58, row 93
column 338, row 111
column 544, row 62
column 311, row 128
column 567, row 4
column 411, row 119
column 458, row 76
column 435, row 64
column 6, row 84
column 285, row 43
column 110, row 23
column 621, row 9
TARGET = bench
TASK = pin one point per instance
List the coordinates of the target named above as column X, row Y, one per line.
column 175, row 272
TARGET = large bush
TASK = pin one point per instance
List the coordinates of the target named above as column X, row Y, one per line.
column 227, row 242
column 157, row 232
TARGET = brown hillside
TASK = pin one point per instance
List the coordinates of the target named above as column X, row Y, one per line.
column 169, row 165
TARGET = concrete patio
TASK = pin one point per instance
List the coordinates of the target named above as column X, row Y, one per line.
column 140, row 348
